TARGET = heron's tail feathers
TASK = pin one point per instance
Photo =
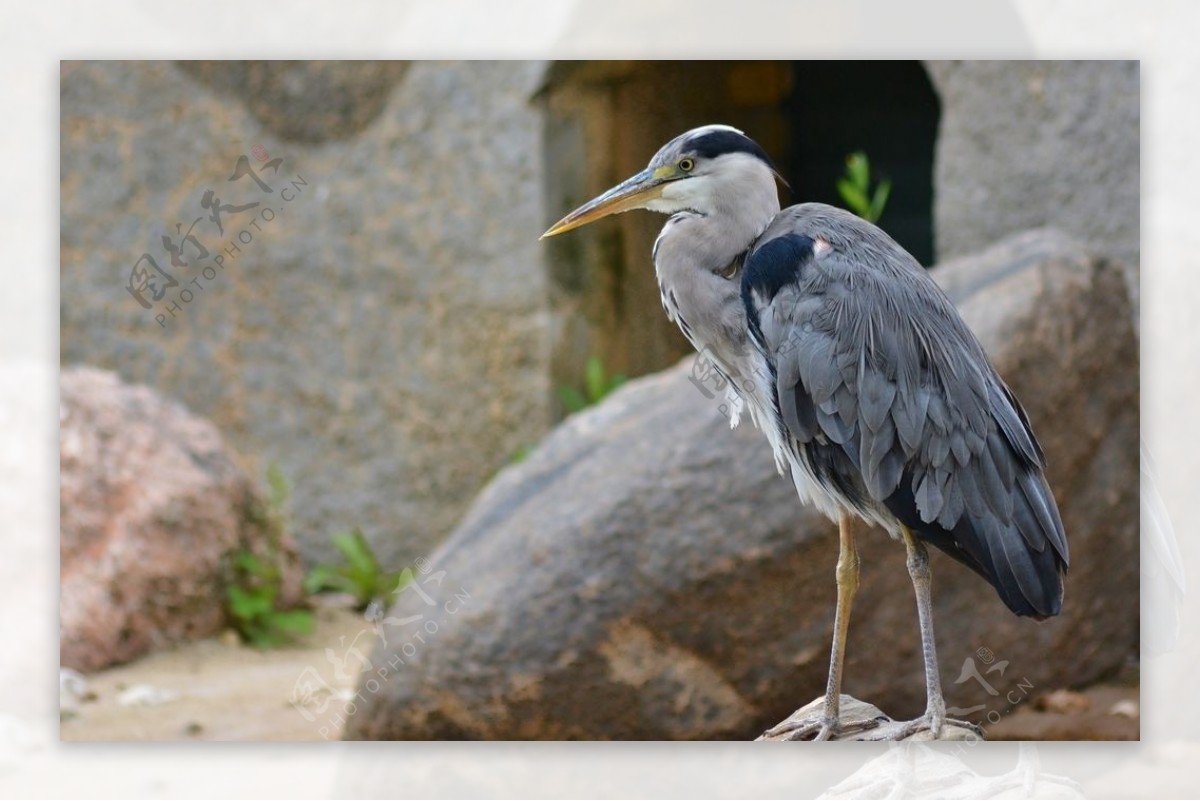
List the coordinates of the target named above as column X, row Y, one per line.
column 1022, row 552
column 1023, row 555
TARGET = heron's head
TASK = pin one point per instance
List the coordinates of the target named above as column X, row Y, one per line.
column 703, row 170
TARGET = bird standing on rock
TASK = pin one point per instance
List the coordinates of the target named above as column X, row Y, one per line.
column 858, row 369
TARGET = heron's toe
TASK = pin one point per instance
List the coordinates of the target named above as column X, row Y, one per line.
column 808, row 727
column 930, row 727
column 810, row 722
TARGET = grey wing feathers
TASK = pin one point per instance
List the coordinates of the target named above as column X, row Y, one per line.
column 871, row 358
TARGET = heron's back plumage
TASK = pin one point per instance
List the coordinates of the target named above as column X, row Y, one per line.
column 891, row 405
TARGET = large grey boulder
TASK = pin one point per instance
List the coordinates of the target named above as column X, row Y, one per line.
column 1002, row 165
column 646, row 574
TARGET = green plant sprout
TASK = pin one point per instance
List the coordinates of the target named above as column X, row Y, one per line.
column 855, row 188
column 251, row 604
column 360, row 575
column 596, row 385
column 252, row 593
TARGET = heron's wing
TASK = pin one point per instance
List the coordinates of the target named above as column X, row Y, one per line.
column 896, row 402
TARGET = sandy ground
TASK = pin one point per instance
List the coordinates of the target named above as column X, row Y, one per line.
column 219, row 689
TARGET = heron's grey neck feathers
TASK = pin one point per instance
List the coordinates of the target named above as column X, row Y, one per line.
column 716, row 216
column 692, row 255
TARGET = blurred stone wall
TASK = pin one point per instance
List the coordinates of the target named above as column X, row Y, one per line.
column 377, row 323
column 1025, row 144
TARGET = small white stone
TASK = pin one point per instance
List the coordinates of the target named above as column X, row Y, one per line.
column 145, row 695
column 1126, row 708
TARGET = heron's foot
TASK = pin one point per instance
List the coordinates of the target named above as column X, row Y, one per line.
column 858, row 720
column 930, row 726
column 811, row 723
column 808, row 727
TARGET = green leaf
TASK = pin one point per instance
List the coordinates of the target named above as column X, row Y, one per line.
column 247, row 605
column 572, row 399
column 317, row 579
column 858, row 169
column 326, row 577
column 854, row 198
column 879, row 201
column 249, row 562
column 344, row 542
column 358, row 553
column 296, row 621
column 238, row 603
column 265, row 638
column 268, row 592
column 593, row 376
column 361, row 575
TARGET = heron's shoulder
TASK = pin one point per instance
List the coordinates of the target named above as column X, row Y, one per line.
column 774, row 263
column 813, row 219
column 799, row 236
column 845, row 232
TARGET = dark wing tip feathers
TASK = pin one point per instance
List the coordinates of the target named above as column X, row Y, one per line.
column 1028, row 578
column 1008, row 528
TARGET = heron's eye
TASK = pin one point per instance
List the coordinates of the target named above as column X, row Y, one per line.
column 687, row 165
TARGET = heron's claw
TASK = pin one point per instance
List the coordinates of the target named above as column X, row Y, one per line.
column 811, row 723
column 931, row 725
column 808, row 727
column 818, row 728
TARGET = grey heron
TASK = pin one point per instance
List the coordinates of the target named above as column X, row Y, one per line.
column 868, row 385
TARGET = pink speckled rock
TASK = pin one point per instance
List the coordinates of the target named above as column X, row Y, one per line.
column 151, row 501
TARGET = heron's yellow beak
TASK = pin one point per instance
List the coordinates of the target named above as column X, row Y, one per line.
column 633, row 193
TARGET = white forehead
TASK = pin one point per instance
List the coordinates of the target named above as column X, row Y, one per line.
column 703, row 129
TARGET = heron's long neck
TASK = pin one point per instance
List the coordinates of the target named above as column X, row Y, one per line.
column 692, row 257
column 723, row 228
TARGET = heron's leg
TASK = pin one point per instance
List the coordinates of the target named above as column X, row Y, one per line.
column 847, row 586
column 934, row 719
column 802, row 725
column 918, row 570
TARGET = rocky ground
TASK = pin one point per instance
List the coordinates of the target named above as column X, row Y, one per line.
column 218, row 689
column 1107, row 711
